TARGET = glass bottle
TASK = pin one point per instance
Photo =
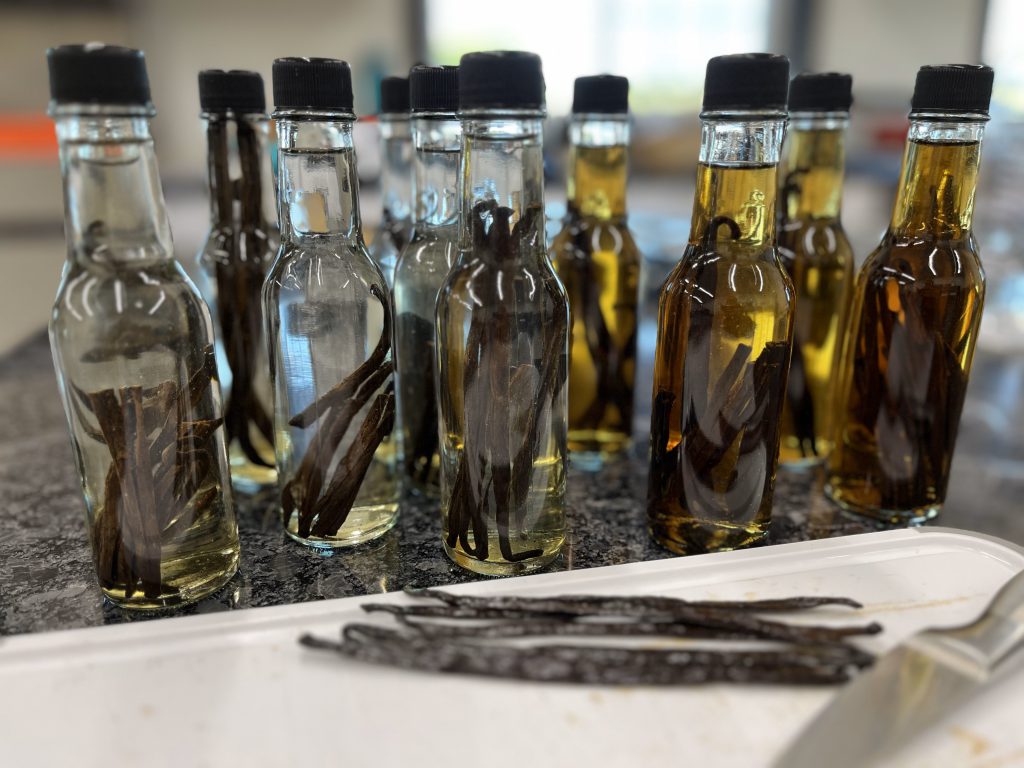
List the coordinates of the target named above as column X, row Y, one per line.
column 328, row 314
column 132, row 344
column 817, row 255
column 422, row 268
column 502, row 329
column 916, row 312
column 724, row 325
column 242, row 242
column 395, row 175
column 599, row 265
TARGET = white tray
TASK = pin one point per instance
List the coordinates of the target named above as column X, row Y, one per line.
column 235, row 689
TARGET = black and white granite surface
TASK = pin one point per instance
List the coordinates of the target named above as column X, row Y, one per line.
column 46, row 570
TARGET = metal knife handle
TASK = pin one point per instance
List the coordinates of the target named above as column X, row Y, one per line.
column 999, row 631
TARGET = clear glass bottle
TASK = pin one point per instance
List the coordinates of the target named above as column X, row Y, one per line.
column 328, row 314
column 502, row 329
column 817, row 255
column 132, row 344
column 916, row 312
column 725, row 325
column 422, row 268
column 599, row 265
column 395, row 175
column 242, row 242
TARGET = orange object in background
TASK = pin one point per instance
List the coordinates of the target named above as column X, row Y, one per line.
column 26, row 137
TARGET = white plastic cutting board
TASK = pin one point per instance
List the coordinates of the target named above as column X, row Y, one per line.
column 234, row 689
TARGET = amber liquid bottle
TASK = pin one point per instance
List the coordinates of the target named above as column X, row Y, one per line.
column 916, row 313
column 599, row 265
column 725, row 326
column 817, row 255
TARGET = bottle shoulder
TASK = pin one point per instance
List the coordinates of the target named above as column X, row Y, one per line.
column 325, row 259
column 719, row 271
column 817, row 240
column 925, row 261
column 581, row 236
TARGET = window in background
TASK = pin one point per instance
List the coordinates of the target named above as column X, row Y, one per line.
column 662, row 46
column 1004, row 20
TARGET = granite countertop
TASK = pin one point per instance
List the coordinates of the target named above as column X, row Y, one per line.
column 47, row 579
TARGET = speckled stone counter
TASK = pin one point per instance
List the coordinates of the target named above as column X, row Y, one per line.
column 46, row 572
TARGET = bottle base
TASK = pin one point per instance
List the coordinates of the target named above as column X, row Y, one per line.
column 502, row 568
column 801, row 465
column 907, row 517
column 174, row 600
column 590, row 450
column 692, row 538
column 364, row 524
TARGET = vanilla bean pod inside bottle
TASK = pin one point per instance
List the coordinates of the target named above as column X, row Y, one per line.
column 423, row 266
column 328, row 315
column 817, row 255
column 502, row 329
column 724, row 325
column 239, row 249
column 599, row 264
column 133, row 346
column 916, row 313
column 395, row 175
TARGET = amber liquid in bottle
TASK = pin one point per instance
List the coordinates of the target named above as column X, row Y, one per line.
column 817, row 255
column 914, row 324
column 724, row 340
column 599, row 264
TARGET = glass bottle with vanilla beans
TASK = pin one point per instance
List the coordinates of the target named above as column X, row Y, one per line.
column 422, row 267
column 133, row 343
column 395, row 175
column 816, row 253
column 502, row 334
column 916, row 313
column 242, row 242
column 328, row 314
column 599, row 265
column 725, row 325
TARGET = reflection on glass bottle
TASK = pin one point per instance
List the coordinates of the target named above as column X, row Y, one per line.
column 916, row 312
column 725, row 325
column 133, row 347
column 816, row 253
column 395, row 175
column 329, row 323
column 502, row 328
column 422, row 268
column 599, row 264
column 242, row 242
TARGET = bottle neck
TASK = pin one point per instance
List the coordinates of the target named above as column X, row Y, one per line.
column 812, row 171
column 396, row 176
column 113, row 204
column 502, row 185
column 736, row 179
column 239, row 171
column 598, row 149
column 317, row 183
column 938, row 179
column 438, row 144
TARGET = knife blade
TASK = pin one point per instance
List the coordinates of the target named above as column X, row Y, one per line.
column 912, row 686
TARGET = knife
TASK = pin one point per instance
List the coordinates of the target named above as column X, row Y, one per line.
column 912, row 686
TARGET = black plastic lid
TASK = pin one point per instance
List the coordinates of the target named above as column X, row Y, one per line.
column 953, row 88
column 504, row 80
column 600, row 94
column 311, row 83
column 746, row 81
column 821, row 92
column 236, row 90
column 394, row 95
column 434, row 89
column 95, row 73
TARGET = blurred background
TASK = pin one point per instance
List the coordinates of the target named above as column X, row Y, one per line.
column 661, row 45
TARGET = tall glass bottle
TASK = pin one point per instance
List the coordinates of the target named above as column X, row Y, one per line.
column 599, row 264
column 395, row 176
column 916, row 312
column 133, row 347
column 328, row 315
column 239, row 249
column 817, row 255
column 422, row 268
column 725, row 325
column 502, row 329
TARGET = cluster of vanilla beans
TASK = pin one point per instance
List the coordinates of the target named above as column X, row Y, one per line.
column 323, row 502
column 163, row 475
column 467, row 635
